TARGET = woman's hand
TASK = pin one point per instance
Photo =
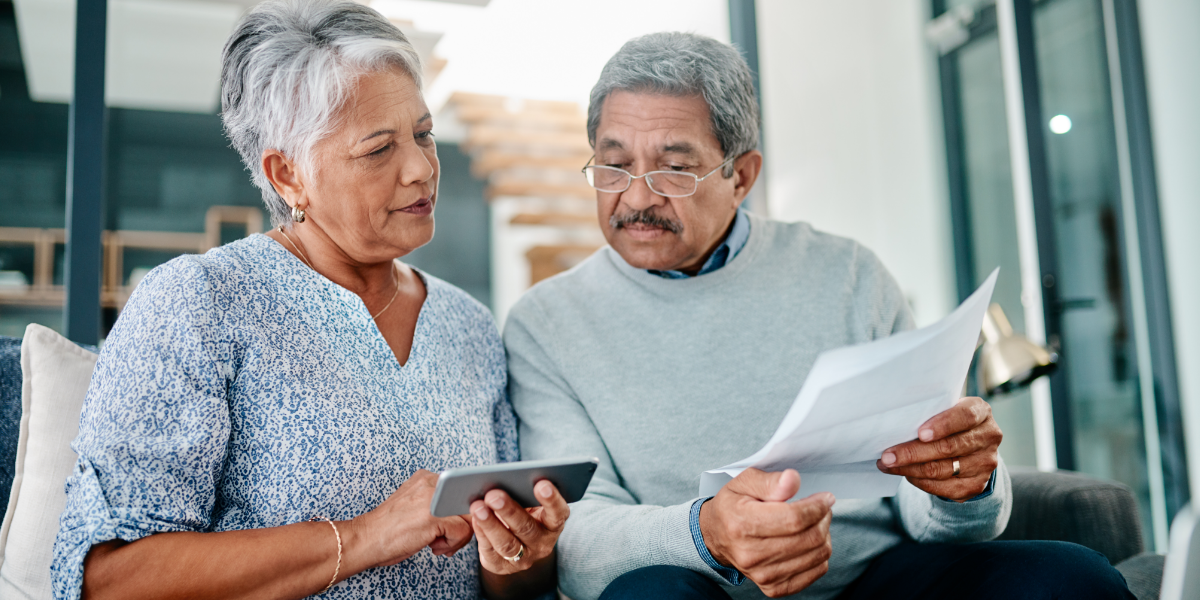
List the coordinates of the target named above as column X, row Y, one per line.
column 504, row 528
column 402, row 526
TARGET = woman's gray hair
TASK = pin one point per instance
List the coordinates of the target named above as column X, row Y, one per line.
column 686, row 64
column 288, row 68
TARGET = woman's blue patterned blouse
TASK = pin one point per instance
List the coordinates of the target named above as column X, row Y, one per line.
column 240, row 389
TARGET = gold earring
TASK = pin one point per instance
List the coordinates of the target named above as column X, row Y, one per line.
column 298, row 214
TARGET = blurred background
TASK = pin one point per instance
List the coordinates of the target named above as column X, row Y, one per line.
column 1057, row 139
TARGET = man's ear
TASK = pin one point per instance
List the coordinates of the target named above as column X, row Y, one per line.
column 746, row 169
column 282, row 173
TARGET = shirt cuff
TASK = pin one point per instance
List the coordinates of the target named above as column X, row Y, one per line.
column 733, row 576
column 987, row 491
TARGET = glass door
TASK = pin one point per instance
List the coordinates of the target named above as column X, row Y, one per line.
column 1084, row 233
column 1092, row 290
column 989, row 218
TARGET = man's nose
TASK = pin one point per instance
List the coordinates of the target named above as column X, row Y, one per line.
column 639, row 196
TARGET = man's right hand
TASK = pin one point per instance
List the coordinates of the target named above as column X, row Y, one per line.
column 781, row 546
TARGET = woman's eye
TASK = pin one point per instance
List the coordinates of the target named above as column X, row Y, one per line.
column 424, row 136
column 381, row 150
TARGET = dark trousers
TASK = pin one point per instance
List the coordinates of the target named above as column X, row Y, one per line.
column 982, row 571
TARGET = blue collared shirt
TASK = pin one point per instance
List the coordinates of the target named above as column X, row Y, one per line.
column 738, row 235
column 734, row 242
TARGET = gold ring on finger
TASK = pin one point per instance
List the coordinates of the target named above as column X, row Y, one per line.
column 957, row 469
column 514, row 559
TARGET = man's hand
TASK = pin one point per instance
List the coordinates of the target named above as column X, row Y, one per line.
column 966, row 433
column 781, row 546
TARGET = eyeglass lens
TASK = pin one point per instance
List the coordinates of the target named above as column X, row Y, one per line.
column 666, row 183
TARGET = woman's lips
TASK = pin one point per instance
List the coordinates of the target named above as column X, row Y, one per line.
column 421, row 207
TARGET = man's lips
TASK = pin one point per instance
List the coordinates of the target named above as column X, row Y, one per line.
column 641, row 231
column 423, row 206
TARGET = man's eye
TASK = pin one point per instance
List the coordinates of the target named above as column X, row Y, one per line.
column 424, row 136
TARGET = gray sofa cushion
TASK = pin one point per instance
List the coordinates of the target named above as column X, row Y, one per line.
column 1143, row 573
column 1072, row 507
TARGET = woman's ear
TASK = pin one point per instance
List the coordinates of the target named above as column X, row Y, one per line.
column 282, row 173
column 746, row 169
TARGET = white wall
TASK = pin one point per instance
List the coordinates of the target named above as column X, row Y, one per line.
column 544, row 49
column 853, row 134
column 1171, row 46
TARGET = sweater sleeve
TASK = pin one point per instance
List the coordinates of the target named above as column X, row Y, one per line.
column 925, row 517
column 608, row 533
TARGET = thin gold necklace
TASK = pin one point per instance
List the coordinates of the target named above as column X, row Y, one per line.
column 304, row 257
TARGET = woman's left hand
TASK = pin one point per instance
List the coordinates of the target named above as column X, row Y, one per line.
column 503, row 528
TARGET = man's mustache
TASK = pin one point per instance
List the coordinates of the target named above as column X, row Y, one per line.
column 644, row 217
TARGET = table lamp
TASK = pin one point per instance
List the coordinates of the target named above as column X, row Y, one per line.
column 1009, row 361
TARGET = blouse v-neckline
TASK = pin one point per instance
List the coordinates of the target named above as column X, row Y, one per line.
column 377, row 339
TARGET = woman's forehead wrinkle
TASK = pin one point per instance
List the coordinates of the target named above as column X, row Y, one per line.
column 380, row 109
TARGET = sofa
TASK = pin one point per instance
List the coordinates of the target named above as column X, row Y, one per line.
column 1065, row 506
column 1099, row 514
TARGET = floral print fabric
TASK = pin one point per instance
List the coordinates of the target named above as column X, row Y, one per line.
column 240, row 389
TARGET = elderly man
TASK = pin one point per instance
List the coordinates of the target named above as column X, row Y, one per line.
column 679, row 348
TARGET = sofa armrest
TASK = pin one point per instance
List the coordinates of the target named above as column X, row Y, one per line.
column 1072, row 507
column 1143, row 573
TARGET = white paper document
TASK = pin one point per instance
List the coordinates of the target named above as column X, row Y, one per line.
column 861, row 400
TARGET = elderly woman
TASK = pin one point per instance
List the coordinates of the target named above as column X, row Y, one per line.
column 264, row 418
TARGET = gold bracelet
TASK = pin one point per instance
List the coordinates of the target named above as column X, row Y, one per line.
column 338, row 568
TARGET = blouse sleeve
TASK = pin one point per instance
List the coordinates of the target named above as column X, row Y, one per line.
column 155, row 422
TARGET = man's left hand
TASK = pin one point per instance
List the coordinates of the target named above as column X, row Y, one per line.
column 966, row 433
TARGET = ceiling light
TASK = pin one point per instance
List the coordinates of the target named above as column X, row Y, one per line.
column 1060, row 124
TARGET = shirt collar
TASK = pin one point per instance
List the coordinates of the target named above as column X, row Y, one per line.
column 734, row 242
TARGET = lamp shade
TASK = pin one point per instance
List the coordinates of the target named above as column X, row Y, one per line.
column 1009, row 360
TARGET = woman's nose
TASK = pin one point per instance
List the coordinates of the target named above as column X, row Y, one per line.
column 416, row 166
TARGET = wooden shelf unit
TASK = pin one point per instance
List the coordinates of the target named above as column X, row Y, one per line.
column 114, row 293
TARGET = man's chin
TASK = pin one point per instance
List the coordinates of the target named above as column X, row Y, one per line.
column 646, row 256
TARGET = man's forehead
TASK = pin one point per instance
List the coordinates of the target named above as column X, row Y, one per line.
column 667, row 124
column 670, row 147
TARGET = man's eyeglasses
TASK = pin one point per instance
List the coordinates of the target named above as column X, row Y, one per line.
column 672, row 184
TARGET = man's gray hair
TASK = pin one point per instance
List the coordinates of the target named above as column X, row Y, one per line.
column 287, row 70
column 686, row 64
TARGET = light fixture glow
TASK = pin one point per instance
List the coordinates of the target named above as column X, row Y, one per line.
column 1060, row 124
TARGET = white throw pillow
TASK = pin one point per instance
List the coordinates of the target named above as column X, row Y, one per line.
column 56, row 376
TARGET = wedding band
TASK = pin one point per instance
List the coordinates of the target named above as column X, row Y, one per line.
column 514, row 559
column 957, row 469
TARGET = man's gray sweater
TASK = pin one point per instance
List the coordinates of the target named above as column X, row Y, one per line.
column 663, row 379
